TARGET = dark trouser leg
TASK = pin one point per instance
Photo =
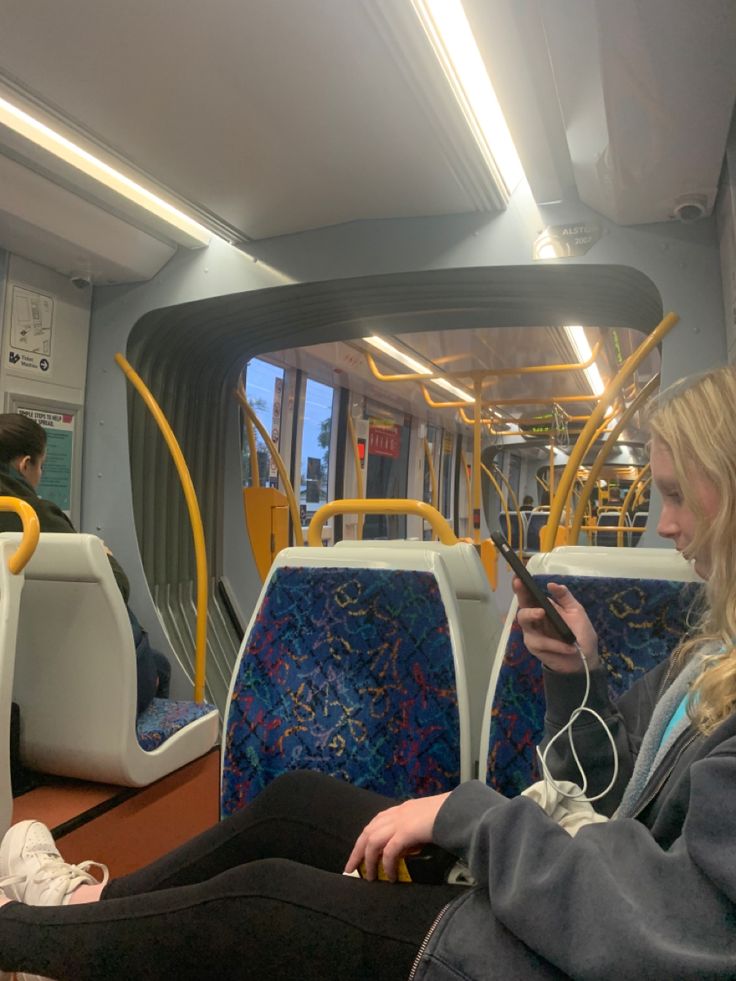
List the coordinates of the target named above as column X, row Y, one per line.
column 303, row 816
column 268, row 919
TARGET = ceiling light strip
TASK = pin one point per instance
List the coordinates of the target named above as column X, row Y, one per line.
column 53, row 142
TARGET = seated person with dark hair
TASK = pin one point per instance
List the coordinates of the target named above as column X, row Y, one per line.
column 528, row 504
column 22, row 455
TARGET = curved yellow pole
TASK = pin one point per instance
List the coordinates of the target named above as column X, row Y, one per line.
column 276, row 457
column 515, row 501
column 604, row 452
column 468, row 485
column 640, row 492
column 631, row 494
column 255, row 477
column 549, row 534
column 195, row 518
column 358, row 471
column 501, row 498
column 437, row 522
column 432, row 476
column 31, row 530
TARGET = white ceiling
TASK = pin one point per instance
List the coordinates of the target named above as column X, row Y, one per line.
column 272, row 116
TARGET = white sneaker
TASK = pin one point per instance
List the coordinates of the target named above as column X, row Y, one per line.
column 34, row 871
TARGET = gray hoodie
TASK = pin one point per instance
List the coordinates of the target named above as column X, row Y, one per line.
column 645, row 897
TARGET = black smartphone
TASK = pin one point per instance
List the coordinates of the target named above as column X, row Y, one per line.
column 540, row 597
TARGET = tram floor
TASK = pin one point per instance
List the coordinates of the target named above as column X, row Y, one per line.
column 124, row 827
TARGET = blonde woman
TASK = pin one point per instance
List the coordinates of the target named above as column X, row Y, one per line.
column 649, row 894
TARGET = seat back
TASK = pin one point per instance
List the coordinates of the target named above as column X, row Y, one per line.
column 480, row 623
column 536, row 520
column 75, row 674
column 350, row 665
column 639, row 521
column 610, row 518
column 515, row 541
column 639, row 608
column 11, row 587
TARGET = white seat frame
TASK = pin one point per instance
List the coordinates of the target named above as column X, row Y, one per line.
column 75, row 672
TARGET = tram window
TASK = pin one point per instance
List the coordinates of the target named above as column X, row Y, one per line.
column 264, row 386
column 315, row 464
column 388, row 471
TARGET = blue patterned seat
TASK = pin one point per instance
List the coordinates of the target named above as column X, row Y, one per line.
column 638, row 622
column 164, row 717
column 349, row 671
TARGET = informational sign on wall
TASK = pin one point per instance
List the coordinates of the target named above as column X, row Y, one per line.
column 31, row 328
column 384, row 441
column 56, row 483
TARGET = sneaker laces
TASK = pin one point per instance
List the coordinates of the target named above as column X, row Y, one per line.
column 65, row 877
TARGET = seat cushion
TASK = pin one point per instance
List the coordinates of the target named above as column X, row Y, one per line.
column 350, row 672
column 638, row 622
column 164, row 717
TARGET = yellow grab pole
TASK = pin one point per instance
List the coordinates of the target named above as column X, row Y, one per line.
column 276, row 457
column 468, row 488
column 358, row 471
column 31, row 530
column 501, row 500
column 515, row 500
column 438, row 523
column 604, row 452
column 195, row 518
column 630, row 494
column 548, row 535
column 255, row 477
column 478, row 393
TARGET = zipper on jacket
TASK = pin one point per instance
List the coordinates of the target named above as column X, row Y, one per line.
column 650, row 793
column 425, row 942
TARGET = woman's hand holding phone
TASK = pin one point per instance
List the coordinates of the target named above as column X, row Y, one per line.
column 541, row 639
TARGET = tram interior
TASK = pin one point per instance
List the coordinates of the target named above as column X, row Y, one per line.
column 343, row 267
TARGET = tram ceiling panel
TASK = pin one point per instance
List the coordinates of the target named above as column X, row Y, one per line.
column 646, row 90
column 266, row 118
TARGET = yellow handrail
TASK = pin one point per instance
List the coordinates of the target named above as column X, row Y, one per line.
column 603, row 453
column 468, row 484
column 432, row 472
column 515, row 501
column 629, row 496
column 255, row 477
column 276, row 457
column 358, row 471
column 429, row 514
column 501, row 499
column 548, row 536
column 200, row 553
column 31, row 530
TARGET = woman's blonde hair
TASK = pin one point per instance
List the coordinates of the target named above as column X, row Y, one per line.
column 696, row 420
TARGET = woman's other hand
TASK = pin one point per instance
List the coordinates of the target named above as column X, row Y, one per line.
column 542, row 640
column 394, row 833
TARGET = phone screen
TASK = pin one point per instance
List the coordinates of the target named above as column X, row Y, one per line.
column 540, row 597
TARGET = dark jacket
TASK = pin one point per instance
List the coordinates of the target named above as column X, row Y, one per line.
column 650, row 897
column 50, row 516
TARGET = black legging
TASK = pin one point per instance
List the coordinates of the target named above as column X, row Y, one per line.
column 255, row 897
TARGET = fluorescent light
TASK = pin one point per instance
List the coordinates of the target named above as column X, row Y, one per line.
column 576, row 335
column 449, row 33
column 401, row 356
column 48, row 139
column 453, row 389
column 421, row 369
